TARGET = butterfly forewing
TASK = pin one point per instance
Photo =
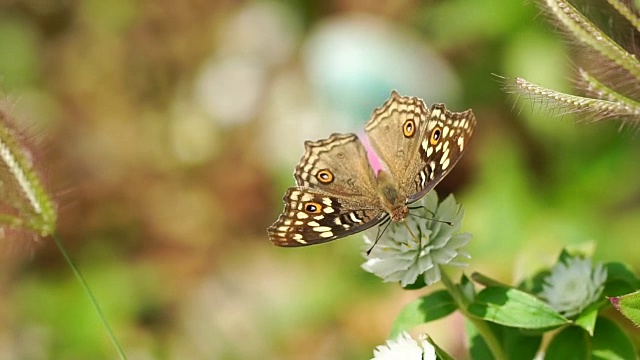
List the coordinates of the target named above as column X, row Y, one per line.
column 312, row 216
column 443, row 143
column 394, row 131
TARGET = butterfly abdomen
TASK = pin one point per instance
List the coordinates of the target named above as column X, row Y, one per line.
column 391, row 198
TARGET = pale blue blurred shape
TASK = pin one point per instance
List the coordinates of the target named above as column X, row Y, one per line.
column 354, row 62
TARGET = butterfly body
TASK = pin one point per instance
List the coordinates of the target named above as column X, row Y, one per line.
column 337, row 193
column 391, row 197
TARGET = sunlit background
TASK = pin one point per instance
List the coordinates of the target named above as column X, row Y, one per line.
column 168, row 132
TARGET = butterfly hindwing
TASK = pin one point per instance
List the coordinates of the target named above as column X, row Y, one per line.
column 312, row 216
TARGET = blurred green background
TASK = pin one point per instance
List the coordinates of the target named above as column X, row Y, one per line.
column 168, row 131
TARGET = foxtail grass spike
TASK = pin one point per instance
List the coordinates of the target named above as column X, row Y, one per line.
column 35, row 209
column 21, row 189
column 599, row 109
column 629, row 14
column 587, row 33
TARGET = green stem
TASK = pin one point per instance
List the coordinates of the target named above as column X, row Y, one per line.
column 483, row 328
column 92, row 298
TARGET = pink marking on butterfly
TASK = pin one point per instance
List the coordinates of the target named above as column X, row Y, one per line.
column 373, row 158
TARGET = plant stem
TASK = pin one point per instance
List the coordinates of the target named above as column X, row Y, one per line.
column 92, row 298
column 481, row 325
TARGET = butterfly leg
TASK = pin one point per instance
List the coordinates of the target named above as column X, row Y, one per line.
column 386, row 223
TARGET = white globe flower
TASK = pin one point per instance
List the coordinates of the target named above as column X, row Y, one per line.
column 418, row 246
column 573, row 285
column 406, row 348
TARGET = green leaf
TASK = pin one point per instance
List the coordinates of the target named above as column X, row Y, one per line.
column 442, row 355
column 485, row 280
column 515, row 308
column 516, row 344
column 620, row 279
column 467, row 288
column 478, row 349
column 610, row 342
column 417, row 285
column 588, row 316
column 533, row 285
column 431, row 307
column 572, row 343
column 629, row 306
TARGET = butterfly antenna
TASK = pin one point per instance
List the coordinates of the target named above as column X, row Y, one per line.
column 422, row 207
column 426, row 218
column 379, row 235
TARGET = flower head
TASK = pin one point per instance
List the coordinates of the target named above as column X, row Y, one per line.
column 404, row 347
column 573, row 285
column 419, row 246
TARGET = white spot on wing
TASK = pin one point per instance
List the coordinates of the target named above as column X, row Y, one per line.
column 426, row 147
column 327, row 234
column 445, row 157
column 445, row 164
column 354, row 218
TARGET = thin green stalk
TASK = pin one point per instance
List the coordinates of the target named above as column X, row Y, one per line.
column 626, row 12
column 586, row 32
column 92, row 298
column 483, row 328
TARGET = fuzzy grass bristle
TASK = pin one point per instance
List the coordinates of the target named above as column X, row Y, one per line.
column 610, row 89
column 25, row 203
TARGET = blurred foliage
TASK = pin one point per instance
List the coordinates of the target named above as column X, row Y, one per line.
column 169, row 132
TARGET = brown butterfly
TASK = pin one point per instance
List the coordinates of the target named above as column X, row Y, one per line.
column 337, row 193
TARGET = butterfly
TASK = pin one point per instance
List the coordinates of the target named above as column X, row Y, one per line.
column 337, row 193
